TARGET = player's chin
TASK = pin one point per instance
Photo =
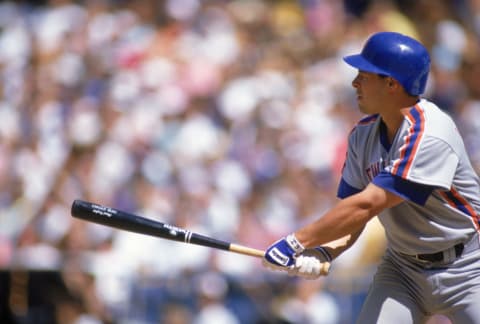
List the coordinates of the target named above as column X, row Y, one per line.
column 362, row 108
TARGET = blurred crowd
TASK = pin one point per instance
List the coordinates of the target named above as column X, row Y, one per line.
column 228, row 118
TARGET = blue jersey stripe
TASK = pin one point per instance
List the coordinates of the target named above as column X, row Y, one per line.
column 415, row 132
column 455, row 200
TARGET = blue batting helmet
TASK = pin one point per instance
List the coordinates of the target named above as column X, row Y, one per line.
column 398, row 56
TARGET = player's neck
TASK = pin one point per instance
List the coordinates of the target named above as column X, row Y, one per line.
column 394, row 116
column 392, row 125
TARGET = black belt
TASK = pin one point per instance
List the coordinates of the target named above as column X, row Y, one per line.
column 438, row 257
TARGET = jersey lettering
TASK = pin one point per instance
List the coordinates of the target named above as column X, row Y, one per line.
column 374, row 169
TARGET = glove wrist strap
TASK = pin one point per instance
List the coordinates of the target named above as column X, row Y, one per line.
column 325, row 253
column 294, row 243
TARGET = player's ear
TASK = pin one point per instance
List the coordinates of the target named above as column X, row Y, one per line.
column 390, row 82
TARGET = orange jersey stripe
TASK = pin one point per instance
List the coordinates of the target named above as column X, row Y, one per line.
column 457, row 201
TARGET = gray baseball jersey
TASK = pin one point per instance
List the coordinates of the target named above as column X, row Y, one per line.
column 426, row 164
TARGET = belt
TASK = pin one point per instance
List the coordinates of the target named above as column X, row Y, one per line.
column 440, row 256
column 449, row 255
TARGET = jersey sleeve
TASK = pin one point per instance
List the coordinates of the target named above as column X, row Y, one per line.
column 424, row 159
column 415, row 192
column 351, row 182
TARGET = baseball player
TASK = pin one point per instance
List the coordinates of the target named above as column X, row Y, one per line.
column 406, row 162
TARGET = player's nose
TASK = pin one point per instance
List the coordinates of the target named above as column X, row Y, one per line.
column 355, row 82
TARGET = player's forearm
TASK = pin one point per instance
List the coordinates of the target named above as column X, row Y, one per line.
column 349, row 216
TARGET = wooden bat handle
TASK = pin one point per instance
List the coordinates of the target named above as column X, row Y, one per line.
column 246, row 250
column 260, row 254
column 325, row 268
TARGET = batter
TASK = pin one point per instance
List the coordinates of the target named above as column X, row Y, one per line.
column 406, row 163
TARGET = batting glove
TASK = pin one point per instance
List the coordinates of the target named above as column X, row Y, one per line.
column 281, row 254
column 311, row 264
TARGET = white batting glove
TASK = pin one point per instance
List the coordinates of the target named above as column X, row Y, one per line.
column 311, row 264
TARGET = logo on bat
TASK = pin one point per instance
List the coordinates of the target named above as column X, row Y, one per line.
column 174, row 230
column 104, row 211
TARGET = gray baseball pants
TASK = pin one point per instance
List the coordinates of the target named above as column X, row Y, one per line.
column 406, row 290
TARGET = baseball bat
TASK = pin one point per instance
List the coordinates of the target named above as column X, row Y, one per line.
column 133, row 223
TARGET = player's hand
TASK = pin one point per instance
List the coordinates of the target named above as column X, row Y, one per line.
column 311, row 264
column 281, row 254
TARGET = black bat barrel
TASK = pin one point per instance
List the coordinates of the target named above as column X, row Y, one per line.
column 133, row 223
